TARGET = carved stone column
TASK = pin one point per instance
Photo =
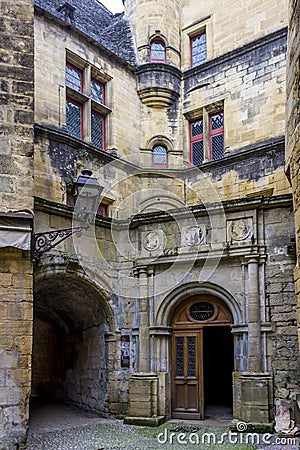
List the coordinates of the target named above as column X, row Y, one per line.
column 144, row 385
column 144, row 361
column 254, row 326
column 253, row 390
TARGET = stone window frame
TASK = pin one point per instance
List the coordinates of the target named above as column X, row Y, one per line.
column 157, row 37
column 202, row 26
column 84, row 97
column 160, row 141
column 205, row 113
column 158, row 60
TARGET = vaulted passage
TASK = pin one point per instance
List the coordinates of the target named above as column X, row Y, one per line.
column 69, row 351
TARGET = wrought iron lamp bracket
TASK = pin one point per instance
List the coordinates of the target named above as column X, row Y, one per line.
column 43, row 242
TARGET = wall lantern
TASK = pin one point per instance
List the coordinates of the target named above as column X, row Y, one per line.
column 86, row 191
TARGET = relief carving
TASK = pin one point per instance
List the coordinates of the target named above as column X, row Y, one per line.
column 240, row 230
column 193, row 235
column 152, row 241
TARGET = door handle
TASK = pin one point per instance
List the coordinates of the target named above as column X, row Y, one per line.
column 185, row 381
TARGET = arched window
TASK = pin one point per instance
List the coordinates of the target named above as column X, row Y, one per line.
column 157, row 51
column 159, row 156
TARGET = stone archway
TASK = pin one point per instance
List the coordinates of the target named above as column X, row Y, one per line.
column 202, row 357
column 164, row 329
column 71, row 321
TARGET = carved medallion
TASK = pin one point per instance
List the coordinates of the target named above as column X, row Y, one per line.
column 152, row 241
column 193, row 236
column 239, row 230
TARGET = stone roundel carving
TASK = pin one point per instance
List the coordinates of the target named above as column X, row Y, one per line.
column 240, row 230
column 152, row 241
column 193, row 235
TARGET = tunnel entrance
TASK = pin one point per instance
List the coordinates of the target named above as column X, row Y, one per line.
column 71, row 321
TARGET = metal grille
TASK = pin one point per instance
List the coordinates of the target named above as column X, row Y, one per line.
column 97, row 91
column 97, row 130
column 179, row 357
column 202, row 311
column 217, row 147
column 197, row 128
column 197, row 153
column 157, row 51
column 73, row 78
column 216, row 121
column 73, row 113
column 160, row 155
column 191, row 356
column 198, row 49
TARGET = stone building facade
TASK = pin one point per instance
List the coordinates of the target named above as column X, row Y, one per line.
column 292, row 126
column 181, row 297
column 16, row 199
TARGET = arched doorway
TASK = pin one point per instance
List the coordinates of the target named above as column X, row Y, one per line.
column 69, row 360
column 202, row 356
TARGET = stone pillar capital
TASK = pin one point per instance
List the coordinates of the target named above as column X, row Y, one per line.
column 143, row 271
column 251, row 259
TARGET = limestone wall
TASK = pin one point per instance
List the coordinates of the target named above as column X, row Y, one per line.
column 163, row 21
column 16, row 193
column 51, row 45
column 232, row 25
column 292, row 115
column 16, row 141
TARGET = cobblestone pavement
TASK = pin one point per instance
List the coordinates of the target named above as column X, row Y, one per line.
column 54, row 427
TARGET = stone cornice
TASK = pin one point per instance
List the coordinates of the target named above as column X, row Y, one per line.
column 258, row 202
column 243, row 153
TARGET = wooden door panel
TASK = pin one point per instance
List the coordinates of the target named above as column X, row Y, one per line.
column 192, row 398
column 187, row 386
column 180, row 397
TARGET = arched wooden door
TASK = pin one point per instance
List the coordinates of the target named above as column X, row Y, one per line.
column 190, row 320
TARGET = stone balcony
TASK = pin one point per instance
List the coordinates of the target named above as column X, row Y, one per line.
column 158, row 84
